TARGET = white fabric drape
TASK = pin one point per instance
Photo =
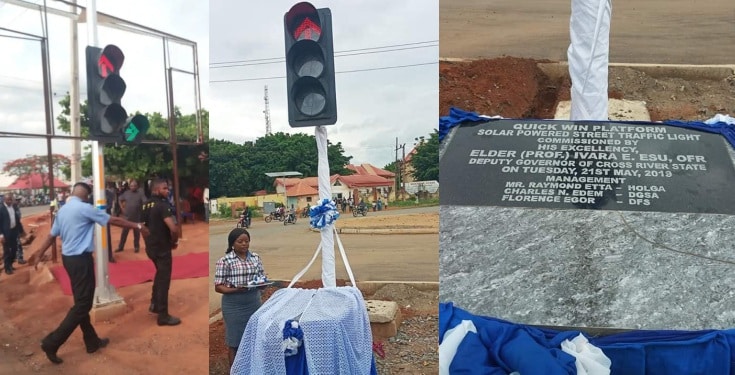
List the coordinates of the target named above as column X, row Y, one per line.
column 325, row 192
column 588, row 55
column 590, row 360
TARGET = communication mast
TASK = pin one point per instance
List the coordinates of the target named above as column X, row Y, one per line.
column 267, row 112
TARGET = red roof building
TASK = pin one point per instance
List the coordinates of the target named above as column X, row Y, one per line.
column 371, row 170
column 35, row 181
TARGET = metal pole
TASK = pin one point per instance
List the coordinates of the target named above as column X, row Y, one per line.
column 172, row 139
column 104, row 292
column 49, row 126
column 76, row 145
column 398, row 172
column 198, row 96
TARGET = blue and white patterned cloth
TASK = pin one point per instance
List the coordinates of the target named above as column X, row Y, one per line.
column 336, row 334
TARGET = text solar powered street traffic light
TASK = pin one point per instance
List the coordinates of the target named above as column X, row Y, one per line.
column 105, row 88
column 312, row 98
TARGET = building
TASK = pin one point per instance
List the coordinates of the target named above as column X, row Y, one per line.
column 368, row 182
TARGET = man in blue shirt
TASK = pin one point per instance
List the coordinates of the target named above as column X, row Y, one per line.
column 75, row 225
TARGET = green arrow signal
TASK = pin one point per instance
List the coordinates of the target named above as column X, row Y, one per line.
column 131, row 132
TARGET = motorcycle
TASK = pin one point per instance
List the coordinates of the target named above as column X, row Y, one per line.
column 274, row 215
column 244, row 221
column 360, row 210
column 289, row 219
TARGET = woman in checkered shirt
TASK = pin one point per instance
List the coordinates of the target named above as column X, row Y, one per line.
column 233, row 277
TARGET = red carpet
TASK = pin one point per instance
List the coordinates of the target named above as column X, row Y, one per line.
column 126, row 273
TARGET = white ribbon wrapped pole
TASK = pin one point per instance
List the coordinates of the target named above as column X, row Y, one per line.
column 325, row 192
column 589, row 55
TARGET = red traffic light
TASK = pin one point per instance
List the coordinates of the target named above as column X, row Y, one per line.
column 110, row 61
column 303, row 22
column 310, row 66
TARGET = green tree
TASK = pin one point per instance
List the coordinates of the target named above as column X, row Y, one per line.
column 141, row 161
column 237, row 170
column 392, row 166
column 425, row 161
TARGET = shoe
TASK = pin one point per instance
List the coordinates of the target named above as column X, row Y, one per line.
column 169, row 321
column 21, row 261
column 112, row 260
column 137, row 249
column 51, row 354
column 9, row 271
column 152, row 308
column 101, row 343
column 119, row 250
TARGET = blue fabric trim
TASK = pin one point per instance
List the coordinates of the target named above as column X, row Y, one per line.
column 504, row 346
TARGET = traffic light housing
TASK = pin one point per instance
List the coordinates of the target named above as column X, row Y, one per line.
column 135, row 129
column 105, row 89
column 312, row 99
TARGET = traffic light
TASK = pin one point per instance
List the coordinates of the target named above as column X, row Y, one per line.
column 312, row 98
column 108, row 120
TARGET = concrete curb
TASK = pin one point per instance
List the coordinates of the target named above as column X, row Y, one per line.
column 684, row 71
column 383, row 231
column 216, row 318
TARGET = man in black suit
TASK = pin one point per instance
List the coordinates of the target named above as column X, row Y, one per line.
column 11, row 229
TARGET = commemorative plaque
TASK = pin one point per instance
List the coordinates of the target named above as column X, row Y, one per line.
column 589, row 224
column 588, row 165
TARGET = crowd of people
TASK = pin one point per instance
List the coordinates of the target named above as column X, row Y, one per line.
column 147, row 210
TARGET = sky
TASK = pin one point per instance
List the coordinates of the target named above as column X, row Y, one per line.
column 375, row 106
column 21, row 85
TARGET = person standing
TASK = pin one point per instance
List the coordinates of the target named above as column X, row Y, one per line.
column 75, row 225
column 131, row 202
column 21, row 237
column 11, row 229
column 232, row 276
column 158, row 217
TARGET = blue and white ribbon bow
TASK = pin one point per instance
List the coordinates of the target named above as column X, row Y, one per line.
column 293, row 336
column 323, row 214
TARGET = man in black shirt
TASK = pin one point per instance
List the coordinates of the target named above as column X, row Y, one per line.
column 157, row 215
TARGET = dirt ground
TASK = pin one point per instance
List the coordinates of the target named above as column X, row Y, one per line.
column 516, row 88
column 420, row 220
column 412, row 351
column 654, row 31
column 138, row 345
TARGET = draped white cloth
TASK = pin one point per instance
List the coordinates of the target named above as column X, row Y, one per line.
column 336, row 328
column 588, row 56
column 590, row 360
column 325, row 192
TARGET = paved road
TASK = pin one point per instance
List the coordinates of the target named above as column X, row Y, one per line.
column 287, row 249
column 653, row 31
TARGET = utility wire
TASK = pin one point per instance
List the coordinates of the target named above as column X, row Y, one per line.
column 337, row 52
column 282, row 59
column 345, row 71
